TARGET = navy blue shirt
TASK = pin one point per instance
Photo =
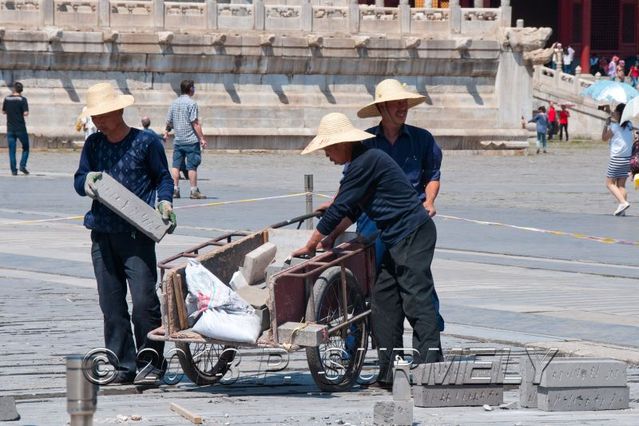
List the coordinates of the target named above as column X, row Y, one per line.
column 415, row 151
column 374, row 183
column 138, row 162
column 15, row 106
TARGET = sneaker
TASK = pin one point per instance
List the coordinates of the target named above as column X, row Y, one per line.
column 176, row 192
column 623, row 213
column 14, row 172
column 197, row 195
column 24, row 170
column 621, row 208
column 537, row 151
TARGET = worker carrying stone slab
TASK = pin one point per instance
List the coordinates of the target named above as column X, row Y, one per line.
column 375, row 184
column 120, row 252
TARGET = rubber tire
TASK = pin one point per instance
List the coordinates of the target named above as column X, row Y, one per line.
column 324, row 286
column 195, row 374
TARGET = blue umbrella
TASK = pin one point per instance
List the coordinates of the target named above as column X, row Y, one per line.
column 610, row 92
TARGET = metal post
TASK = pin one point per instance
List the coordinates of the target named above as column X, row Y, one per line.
column 82, row 395
column 308, row 188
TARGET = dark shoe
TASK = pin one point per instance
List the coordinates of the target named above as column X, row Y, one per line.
column 14, row 172
column 176, row 192
column 197, row 195
column 387, row 386
column 24, row 170
column 123, row 379
column 149, row 376
column 545, row 151
column 538, row 151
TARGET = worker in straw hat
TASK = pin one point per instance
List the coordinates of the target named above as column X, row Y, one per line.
column 120, row 253
column 414, row 149
column 373, row 183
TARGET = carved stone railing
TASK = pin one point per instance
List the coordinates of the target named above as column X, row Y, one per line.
column 206, row 15
column 561, row 83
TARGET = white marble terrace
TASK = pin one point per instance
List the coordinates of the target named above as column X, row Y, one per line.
column 317, row 16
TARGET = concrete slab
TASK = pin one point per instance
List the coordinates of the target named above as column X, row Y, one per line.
column 458, row 396
column 583, row 399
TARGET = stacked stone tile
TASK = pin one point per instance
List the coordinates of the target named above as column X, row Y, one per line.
column 574, row 384
column 458, row 384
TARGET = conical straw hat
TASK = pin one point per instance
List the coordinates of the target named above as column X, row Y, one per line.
column 389, row 90
column 102, row 98
column 335, row 128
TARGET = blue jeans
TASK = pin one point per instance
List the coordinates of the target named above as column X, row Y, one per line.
column 541, row 140
column 12, row 138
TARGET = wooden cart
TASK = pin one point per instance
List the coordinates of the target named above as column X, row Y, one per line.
column 320, row 304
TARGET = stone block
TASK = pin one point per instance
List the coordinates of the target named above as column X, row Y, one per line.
column 256, row 296
column 458, row 373
column 8, row 411
column 583, row 399
column 131, row 208
column 580, row 372
column 457, row 396
column 527, row 390
column 256, row 261
column 401, row 381
column 393, row 413
column 296, row 333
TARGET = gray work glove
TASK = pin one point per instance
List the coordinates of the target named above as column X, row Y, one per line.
column 89, row 183
column 165, row 208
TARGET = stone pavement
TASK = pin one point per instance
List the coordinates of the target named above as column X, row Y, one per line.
column 528, row 256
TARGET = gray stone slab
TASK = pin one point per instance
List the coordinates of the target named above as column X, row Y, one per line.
column 527, row 389
column 8, row 411
column 131, row 208
column 302, row 334
column 457, row 396
column 471, row 372
column 256, row 261
column 583, row 399
column 401, row 382
column 393, row 413
column 580, row 372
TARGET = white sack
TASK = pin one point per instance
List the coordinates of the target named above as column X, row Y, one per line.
column 229, row 326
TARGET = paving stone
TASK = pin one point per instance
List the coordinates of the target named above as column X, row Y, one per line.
column 401, row 381
column 302, row 334
column 527, row 390
column 256, row 261
column 458, row 373
column 457, row 396
column 583, row 372
column 8, row 411
column 583, row 399
column 398, row 413
column 131, row 208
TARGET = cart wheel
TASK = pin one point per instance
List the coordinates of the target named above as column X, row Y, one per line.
column 204, row 363
column 336, row 365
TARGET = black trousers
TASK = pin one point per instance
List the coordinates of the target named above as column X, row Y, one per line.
column 404, row 289
column 563, row 127
column 118, row 258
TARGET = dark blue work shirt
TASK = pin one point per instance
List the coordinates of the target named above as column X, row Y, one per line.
column 374, row 183
column 138, row 162
column 416, row 152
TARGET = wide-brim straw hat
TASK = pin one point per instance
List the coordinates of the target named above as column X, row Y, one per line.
column 390, row 90
column 102, row 98
column 335, row 128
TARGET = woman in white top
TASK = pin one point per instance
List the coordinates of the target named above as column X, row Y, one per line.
column 620, row 138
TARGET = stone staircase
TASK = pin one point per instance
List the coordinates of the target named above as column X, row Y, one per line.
column 586, row 121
